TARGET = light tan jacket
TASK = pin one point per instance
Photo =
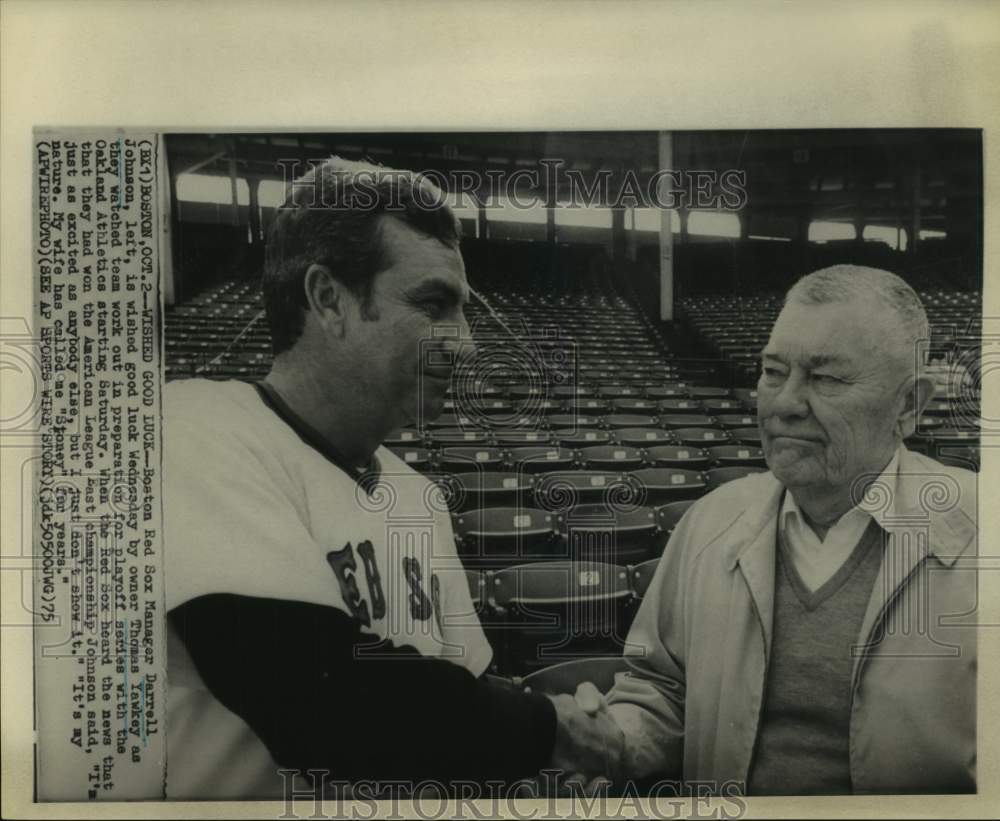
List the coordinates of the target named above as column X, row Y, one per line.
column 698, row 649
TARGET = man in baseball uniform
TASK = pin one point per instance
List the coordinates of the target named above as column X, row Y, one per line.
column 319, row 617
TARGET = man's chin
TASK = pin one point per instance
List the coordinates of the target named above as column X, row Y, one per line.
column 791, row 470
column 431, row 408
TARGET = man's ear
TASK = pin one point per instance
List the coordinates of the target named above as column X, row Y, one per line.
column 915, row 399
column 325, row 297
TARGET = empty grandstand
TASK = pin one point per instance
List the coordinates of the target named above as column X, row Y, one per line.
column 619, row 342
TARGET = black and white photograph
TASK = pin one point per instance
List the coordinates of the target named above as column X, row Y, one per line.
column 702, row 412
column 499, row 411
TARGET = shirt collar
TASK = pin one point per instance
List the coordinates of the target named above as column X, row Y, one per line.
column 886, row 479
column 366, row 476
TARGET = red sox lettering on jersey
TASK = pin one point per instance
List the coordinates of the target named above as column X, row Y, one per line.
column 345, row 567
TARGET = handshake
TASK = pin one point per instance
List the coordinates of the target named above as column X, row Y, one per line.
column 589, row 745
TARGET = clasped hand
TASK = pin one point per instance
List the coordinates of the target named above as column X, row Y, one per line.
column 589, row 744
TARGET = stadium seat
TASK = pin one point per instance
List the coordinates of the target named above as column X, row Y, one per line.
column 566, row 392
column 619, row 392
column 642, row 575
column 446, row 437
column 556, row 611
column 926, row 423
column 919, row 444
column 630, row 420
column 643, row 406
column 601, row 533
column 734, row 455
column 563, row 490
column 701, row 437
column 478, row 490
column 661, row 485
column 952, row 437
column 672, row 421
column 581, row 438
column 544, row 459
column 406, row 438
column 681, row 406
column 939, row 408
column 477, row 589
column 611, row 457
column 573, row 420
column 523, row 438
column 501, row 536
column 959, row 457
column 492, row 407
column 678, row 456
column 643, row 437
column 416, row 458
column 748, row 396
column 708, row 393
column 566, row 676
column 670, row 514
column 657, row 392
column 746, row 436
column 527, row 391
column 719, row 476
column 463, row 459
column 546, row 407
column 450, row 420
column 530, row 420
column 588, row 406
column 736, row 420
column 722, row 405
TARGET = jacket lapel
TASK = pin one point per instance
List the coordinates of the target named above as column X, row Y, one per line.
column 755, row 557
column 913, row 531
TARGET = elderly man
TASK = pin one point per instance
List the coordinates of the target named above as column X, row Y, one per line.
column 808, row 629
column 319, row 617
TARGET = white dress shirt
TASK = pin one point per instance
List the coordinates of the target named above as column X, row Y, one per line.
column 817, row 560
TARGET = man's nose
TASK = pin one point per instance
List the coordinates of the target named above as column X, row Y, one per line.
column 789, row 400
column 465, row 345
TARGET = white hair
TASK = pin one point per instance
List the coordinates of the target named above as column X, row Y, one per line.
column 907, row 330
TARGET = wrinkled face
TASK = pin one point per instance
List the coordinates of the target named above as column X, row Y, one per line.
column 408, row 353
column 829, row 398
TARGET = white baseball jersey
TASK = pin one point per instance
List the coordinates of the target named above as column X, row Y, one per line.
column 251, row 509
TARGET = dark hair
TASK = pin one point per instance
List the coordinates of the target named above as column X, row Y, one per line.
column 332, row 217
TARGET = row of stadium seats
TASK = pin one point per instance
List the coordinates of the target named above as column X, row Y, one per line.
column 626, row 429
column 613, row 383
column 572, row 526
column 737, row 327
column 544, row 459
column 540, row 449
column 540, row 614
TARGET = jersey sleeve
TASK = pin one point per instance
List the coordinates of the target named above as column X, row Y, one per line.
column 232, row 521
column 464, row 641
column 291, row 671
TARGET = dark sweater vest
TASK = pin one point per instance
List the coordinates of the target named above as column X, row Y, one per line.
column 802, row 743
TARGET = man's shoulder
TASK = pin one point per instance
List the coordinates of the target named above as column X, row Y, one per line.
column 956, row 485
column 739, row 494
column 206, row 400
column 409, row 483
column 739, row 500
column 203, row 418
column 190, row 391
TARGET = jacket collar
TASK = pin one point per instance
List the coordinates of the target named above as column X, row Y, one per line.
column 924, row 496
column 923, row 514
